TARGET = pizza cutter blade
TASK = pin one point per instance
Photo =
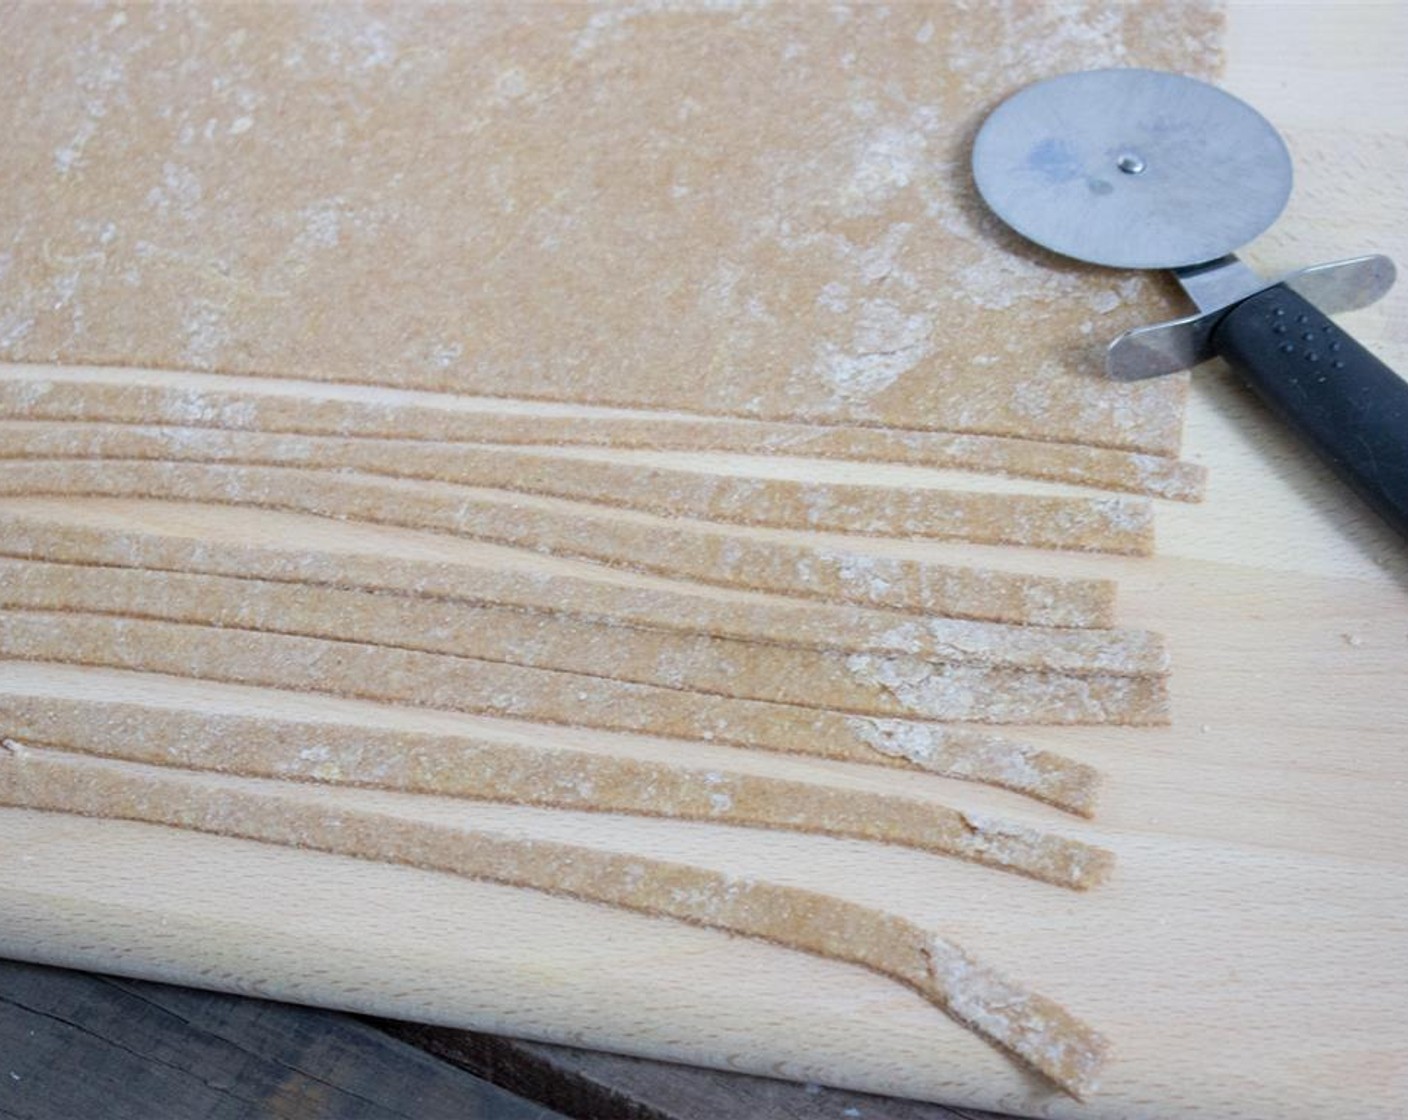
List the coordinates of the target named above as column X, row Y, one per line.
column 1144, row 169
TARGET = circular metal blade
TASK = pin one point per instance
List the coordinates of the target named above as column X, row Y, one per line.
column 1132, row 168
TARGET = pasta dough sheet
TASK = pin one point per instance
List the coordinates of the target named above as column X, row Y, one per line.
column 748, row 211
column 484, row 770
column 439, row 593
column 1029, row 1027
column 1104, row 524
column 210, row 401
column 627, row 541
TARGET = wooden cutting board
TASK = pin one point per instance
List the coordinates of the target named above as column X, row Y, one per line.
column 1250, row 956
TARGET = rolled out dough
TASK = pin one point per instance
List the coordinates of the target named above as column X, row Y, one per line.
column 758, row 211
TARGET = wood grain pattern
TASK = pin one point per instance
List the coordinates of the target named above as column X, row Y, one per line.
column 83, row 1045
column 597, row 1086
column 148, row 1047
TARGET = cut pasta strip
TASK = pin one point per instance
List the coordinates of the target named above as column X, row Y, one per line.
column 625, row 541
column 482, row 769
column 694, row 657
column 398, row 677
column 1029, row 1027
column 1122, row 525
column 864, row 683
column 632, row 600
column 962, row 753
column 65, row 395
column 454, row 587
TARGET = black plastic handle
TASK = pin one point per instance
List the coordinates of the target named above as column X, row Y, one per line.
column 1351, row 407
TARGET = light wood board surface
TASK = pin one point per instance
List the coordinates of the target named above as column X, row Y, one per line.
column 1249, row 957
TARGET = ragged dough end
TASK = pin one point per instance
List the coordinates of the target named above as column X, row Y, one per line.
column 1041, row 1032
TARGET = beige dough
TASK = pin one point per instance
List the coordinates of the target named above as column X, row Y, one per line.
column 754, row 214
column 44, row 393
column 1029, row 1027
column 557, row 695
column 963, row 753
column 93, row 531
column 622, row 539
column 881, row 684
column 1104, row 524
column 750, row 211
column 442, row 592
column 485, row 770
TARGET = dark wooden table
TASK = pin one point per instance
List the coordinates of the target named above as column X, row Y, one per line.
column 74, row 1046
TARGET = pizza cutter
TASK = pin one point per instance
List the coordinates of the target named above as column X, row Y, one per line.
column 1145, row 169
